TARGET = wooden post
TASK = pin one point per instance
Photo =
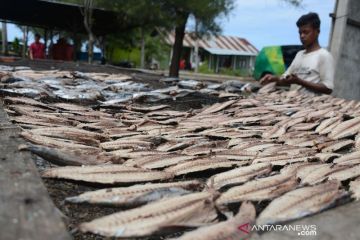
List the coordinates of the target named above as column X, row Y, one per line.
column 142, row 58
column 45, row 42
column 4, row 39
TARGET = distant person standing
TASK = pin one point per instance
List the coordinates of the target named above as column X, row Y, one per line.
column 62, row 50
column 37, row 49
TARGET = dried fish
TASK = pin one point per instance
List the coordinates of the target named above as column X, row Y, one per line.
column 355, row 188
column 327, row 157
column 357, row 142
column 135, row 195
column 326, row 123
column 346, row 173
column 201, row 165
column 125, row 143
column 70, row 158
column 174, row 146
column 218, row 107
column 316, row 173
column 300, row 202
column 147, row 109
column 158, row 161
column 338, row 145
column 227, row 230
column 53, row 142
column 106, row 174
column 188, row 210
column 71, row 133
column 259, row 189
column 346, row 129
column 283, row 159
column 349, row 159
column 238, row 175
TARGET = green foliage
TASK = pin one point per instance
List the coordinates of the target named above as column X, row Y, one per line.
column 16, row 46
column 236, row 72
column 204, row 68
column 130, row 55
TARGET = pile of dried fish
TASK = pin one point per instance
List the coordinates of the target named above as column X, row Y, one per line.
column 296, row 151
column 107, row 90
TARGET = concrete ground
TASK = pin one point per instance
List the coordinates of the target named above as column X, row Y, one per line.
column 339, row 223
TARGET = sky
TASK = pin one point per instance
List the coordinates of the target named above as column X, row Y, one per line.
column 273, row 22
column 263, row 22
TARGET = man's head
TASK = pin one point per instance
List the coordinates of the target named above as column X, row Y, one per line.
column 37, row 37
column 309, row 28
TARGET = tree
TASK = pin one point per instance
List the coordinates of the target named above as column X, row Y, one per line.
column 87, row 12
column 205, row 11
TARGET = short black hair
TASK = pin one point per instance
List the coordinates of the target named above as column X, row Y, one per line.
column 37, row 35
column 310, row 18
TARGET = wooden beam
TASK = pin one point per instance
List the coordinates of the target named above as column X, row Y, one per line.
column 26, row 211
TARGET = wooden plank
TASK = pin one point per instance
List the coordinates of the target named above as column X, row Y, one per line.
column 26, row 210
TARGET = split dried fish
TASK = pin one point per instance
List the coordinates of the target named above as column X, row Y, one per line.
column 137, row 194
column 201, row 165
column 125, row 143
column 53, row 142
column 300, row 203
column 218, row 107
column 346, row 173
column 316, row 173
column 346, row 129
column 227, row 230
column 282, row 160
column 349, row 159
column 106, row 174
column 355, row 188
column 238, row 175
column 259, row 189
column 327, row 157
column 70, row 158
column 326, row 123
column 188, row 210
column 338, row 145
column 158, row 161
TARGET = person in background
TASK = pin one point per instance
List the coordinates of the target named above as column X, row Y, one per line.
column 312, row 70
column 182, row 64
column 37, row 49
column 62, row 50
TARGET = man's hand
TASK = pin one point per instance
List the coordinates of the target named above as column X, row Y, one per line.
column 290, row 79
column 268, row 78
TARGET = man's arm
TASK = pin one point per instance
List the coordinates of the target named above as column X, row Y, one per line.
column 315, row 87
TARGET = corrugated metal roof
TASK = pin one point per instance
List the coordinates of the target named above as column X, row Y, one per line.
column 218, row 45
column 218, row 51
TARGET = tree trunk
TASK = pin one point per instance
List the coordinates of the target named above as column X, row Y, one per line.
column 25, row 40
column 91, row 48
column 177, row 47
column 142, row 60
column 87, row 12
column 196, row 47
column 4, row 39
